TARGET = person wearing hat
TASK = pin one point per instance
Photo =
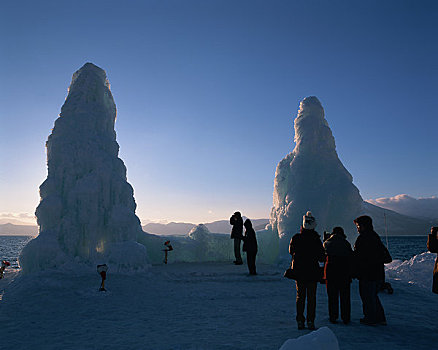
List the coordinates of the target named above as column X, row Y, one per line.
column 307, row 251
column 370, row 255
column 337, row 274
column 237, row 233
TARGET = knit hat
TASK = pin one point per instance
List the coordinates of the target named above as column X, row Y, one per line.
column 339, row 231
column 309, row 222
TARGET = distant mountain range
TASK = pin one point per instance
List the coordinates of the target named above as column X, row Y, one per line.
column 397, row 225
column 18, row 230
column 183, row 228
column 173, row 228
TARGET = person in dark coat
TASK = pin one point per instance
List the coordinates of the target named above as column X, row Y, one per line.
column 306, row 250
column 370, row 255
column 432, row 246
column 250, row 246
column 236, row 233
column 337, row 273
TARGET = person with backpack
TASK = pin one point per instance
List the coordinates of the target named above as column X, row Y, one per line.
column 236, row 233
column 250, row 246
column 432, row 246
column 307, row 251
column 337, row 274
column 370, row 255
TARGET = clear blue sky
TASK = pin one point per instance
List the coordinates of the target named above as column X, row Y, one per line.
column 207, row 92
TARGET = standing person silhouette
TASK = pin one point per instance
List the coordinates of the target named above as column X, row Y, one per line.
column 370, row 255
column 432, row 246
column 337, row 274
column 250, row 246
column 307, row 251
column 236, row 233
column 101, row 270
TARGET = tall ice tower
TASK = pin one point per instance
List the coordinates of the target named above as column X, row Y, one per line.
column 313, row 178
column 87, row 209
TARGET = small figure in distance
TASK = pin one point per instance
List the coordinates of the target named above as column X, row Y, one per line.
column 337, row 273
column 101, row 270
column 370, row 255
column 4, row 265
column 250, row 246
column 432, row 246
column 307, row 251
column 236, row 233
column 168, row 248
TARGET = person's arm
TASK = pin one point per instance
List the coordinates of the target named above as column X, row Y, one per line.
column 240, row 228
column 244, row 237
column 365, row 250
column 321, row 252
column 348, row 248
column 291, row 247
column 386, row 256
column 357, row 251
column 356, row 259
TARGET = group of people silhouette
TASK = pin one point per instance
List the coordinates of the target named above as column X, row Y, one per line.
column 341, row 264
column 249, row 241
column 332, row 262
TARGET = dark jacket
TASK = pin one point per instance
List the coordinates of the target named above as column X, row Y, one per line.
column 250, row 241
column 307, row 250
column 338, row 266
column 236, row 231
column 370, row 255
column 432, row 246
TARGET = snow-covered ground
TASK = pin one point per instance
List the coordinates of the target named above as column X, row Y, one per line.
column 199, row 306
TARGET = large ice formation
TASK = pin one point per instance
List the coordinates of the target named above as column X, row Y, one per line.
column 313, row 178
column 87, row 209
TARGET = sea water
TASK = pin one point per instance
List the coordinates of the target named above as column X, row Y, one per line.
column 405, row 247
column 400, row 247
column 10, row 248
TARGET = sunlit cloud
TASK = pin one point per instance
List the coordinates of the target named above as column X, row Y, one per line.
column 152, row 221
column 407, row 205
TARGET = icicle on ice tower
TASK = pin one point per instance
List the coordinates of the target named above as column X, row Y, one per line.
column 312, row 177
column 87, row 209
